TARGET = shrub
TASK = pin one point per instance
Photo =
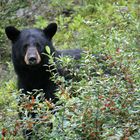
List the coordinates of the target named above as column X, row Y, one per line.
column 101, row 101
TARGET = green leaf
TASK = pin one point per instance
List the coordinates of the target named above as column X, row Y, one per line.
column 48, row 49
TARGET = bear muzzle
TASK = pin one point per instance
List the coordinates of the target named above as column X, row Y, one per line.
column 32, row 56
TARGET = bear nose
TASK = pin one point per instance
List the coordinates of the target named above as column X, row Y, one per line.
column 32, row 60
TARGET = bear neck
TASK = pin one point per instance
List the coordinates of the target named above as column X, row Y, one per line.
column 34, row 77
column 44, row 70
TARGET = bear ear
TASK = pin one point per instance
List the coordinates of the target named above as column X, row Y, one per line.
column 12, row 33
column 50, row 30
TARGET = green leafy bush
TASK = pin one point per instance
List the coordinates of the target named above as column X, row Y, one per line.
column 102, row 99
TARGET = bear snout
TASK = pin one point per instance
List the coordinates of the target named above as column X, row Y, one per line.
column 32, row 56
column 32, row 60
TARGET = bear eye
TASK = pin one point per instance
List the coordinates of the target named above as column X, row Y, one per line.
column 37, row 44
column 25, row 46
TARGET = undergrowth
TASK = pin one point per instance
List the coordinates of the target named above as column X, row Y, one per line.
column 101, row 101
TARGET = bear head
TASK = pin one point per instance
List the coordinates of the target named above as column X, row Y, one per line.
column 28, row 45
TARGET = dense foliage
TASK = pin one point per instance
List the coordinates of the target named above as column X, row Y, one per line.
column 102, row 101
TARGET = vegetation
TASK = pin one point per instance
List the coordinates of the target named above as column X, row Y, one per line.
column 102, row 101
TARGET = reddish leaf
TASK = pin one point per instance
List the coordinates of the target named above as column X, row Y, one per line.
column 3, row 132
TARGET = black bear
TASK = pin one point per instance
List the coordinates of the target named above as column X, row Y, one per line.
column 28, row 48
